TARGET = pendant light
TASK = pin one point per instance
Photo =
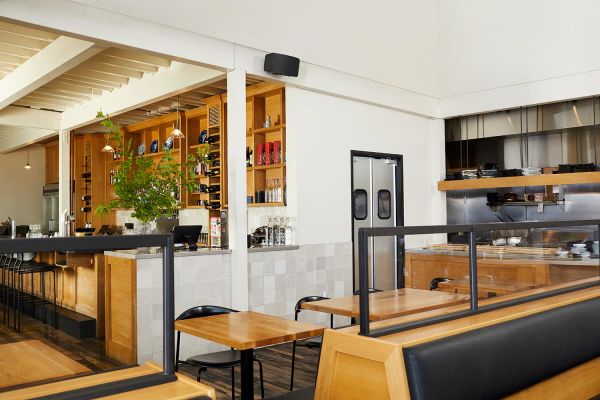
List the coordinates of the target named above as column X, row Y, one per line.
column 27, row 166
column 177, row 131
column 107, row 148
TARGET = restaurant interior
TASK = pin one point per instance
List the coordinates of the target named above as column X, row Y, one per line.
column 210, row 211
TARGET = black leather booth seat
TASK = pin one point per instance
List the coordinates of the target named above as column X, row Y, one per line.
column 496, row 361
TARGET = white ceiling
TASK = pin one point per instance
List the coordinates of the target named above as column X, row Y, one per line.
column 390, row 41
column 18, row 44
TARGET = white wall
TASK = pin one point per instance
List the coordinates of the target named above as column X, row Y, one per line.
column 321, row 131
column 21, row 197
column 506, row 53
column 390, row 41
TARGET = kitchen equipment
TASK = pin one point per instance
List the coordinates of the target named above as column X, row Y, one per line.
column 50, row 209
column 596, row 247
column 514, row 240
column 376, row 202
column 499, row 242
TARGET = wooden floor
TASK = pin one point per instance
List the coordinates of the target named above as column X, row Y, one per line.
column 87, row 352
column 277, row 366
column 90, row 353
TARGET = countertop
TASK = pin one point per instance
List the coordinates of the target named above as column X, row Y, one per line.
column 154, row 253
column 143, row 255
column 494, row 255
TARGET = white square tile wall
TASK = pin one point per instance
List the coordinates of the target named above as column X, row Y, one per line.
column 198, row 280
column 279, row 278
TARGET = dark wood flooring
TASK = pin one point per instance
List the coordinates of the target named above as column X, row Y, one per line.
column 277, row 362
column 90, row 353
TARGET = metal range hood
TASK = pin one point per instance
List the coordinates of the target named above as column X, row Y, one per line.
column 536, row 136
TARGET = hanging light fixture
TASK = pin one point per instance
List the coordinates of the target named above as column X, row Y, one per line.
column 177, row 131
column 107, row 148
column 27, row 166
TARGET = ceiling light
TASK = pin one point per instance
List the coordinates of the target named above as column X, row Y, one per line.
column 177, row 131
column 108, row 148
column 27, row 166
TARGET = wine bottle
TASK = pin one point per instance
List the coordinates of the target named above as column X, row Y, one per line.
column 213, row 188
column 214, row 205
column 215, row 197
column 212, row 139
column 214, row 155
column 212, row 172
column 86, row 197
column 86, row 209
column 86, row 175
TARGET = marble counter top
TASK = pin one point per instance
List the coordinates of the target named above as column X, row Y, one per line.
column 141, row 255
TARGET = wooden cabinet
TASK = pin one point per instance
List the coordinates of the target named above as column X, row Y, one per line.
column 89, row 179
column 265, row 101
column 422, row 267
column 121, row 314
column 51, row 162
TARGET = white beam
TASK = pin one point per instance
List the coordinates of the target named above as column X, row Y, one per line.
column 55, row 59
column 110, row 27
column 19, row 137
column 236, row 188
column 30, row 118
column 151, row 88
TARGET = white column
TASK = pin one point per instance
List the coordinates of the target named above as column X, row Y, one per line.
column 236, row 175
column 64, row 174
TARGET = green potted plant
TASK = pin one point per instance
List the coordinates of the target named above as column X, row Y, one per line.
column 150, row 190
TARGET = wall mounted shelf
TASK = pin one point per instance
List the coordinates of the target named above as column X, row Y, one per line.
column 575, row 178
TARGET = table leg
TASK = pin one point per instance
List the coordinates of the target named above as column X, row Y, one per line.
column 247, row 374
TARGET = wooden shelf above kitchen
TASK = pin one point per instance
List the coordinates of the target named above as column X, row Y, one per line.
column 516, row 181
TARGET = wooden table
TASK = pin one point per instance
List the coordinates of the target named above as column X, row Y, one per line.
column 488, row 288
column 246, row 331
column 389, row 303
column 32, row 361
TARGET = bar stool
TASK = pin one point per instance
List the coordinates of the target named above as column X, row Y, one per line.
column 32, row 268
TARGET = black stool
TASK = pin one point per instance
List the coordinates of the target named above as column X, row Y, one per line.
column 32, row 268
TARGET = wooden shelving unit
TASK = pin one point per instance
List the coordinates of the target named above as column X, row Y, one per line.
column 516, row 181
column 265, row 100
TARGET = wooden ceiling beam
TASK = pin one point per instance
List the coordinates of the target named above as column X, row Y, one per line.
column 22, row 41
column 29, row 32
column 55, row 59
column 17, row 51
column 98, row 76
column 138, row 56
column 73, row 88
column 39, row 105
column 120, row 62
column 73, row 80
column 59, row 93
column 112, row 70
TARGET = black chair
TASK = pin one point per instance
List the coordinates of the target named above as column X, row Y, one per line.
column 436, row 281
column 220, row 359
column 312, row 342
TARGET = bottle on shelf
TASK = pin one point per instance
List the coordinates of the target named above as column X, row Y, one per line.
column 282, row 230
column 285, row 191
column 288, row 232
column 275, row 232
column 268, row 191
column 214, row 155
column 212, row 139
column 269, row 237
column 212, row 172
column 215, row 197
column 86, row 175
column 86, row 197
column 213, row 188
column 86, row 209
column 279, row 192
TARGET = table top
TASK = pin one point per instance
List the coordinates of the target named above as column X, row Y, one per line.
column 388, row 303
column 32, row 361
column 247, row 329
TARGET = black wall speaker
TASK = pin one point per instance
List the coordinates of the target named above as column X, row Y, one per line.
column 281, row 64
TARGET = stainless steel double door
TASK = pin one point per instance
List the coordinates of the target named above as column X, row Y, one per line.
column 376, row 202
